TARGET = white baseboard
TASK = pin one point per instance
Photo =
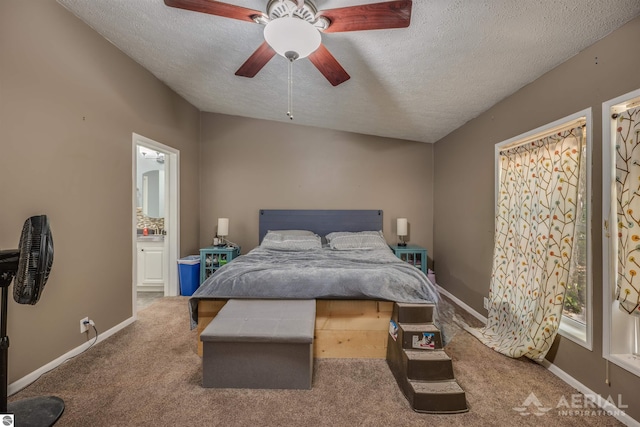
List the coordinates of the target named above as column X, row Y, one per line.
column 18, row 385
column 597, row 399
column 601, row 402
column 467, row 308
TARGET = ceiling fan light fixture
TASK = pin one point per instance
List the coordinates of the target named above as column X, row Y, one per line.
column 288, row 34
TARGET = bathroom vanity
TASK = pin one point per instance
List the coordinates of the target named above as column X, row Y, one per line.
column 150, row 251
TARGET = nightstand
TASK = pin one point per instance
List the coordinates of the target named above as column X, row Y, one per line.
column 214, row 257
column 412, row 254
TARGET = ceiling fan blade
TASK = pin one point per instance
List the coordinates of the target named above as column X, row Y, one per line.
column 376, row 16
column 329, row 66
column 215, row 8
column 256, row 61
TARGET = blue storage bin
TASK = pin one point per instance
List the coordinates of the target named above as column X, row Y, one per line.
column 189, row 274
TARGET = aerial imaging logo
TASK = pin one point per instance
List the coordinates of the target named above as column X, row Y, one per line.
column 577, row 405
column 532, row 406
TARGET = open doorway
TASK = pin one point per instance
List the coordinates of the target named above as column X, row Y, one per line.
column 155, row 221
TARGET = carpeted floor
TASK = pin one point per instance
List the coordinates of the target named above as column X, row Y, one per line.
column 149, row 375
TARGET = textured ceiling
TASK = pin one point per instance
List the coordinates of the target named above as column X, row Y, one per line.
column 456, row 60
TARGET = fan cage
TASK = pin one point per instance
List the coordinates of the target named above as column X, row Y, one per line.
column 36, row 259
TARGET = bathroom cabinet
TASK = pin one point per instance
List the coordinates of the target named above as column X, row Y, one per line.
column 150, row 266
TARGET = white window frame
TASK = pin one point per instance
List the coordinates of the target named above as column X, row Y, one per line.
column 616, row 348
column 569, row 328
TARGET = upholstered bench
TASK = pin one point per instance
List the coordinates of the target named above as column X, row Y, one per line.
column 260, row 344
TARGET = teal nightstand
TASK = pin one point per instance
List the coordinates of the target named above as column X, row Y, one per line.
column 214, row 257
column 412, row 254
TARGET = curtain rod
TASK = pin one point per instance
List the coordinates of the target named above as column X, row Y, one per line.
column 633, row 105
column 580, row 122
column 624, row 106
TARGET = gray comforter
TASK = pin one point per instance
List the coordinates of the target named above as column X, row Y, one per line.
column 318, row 274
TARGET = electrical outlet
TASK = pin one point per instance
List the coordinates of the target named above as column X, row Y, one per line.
column 486, row 303
column 84, row 327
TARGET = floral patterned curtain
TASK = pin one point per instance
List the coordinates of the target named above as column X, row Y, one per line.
column 535, row 218
column 628, row 209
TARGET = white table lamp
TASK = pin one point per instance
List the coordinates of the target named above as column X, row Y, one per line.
column 223, row 228
column 401, row 227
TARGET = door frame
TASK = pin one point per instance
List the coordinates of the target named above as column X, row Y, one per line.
column 172, row 213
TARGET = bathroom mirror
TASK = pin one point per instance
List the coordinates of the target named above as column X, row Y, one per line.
column 152, row 192
column 150, row 183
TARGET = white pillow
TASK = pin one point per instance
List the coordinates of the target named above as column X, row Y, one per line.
column 293, row 232
column 291, row 242
column 352, row 233
column 358, row 240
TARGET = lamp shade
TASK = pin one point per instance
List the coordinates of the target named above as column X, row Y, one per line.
column 223, row 226
column 401, row 226
column 289, row 34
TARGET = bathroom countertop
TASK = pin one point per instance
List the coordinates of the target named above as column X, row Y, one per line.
column 151, row 238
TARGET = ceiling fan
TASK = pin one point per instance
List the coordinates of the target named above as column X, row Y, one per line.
column 293, row 27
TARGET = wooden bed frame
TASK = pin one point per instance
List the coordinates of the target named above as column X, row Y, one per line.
column 344, row 328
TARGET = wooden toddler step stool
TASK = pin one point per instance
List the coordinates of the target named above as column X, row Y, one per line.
column 261, row 344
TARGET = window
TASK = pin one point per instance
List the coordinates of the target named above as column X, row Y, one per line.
column 621, row 315
column 576, row 322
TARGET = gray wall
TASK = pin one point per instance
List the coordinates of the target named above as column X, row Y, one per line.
column 464, row 188
column 249, row 164
column 69, row 102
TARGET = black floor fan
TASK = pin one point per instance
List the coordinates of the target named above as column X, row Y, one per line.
column 30, row 264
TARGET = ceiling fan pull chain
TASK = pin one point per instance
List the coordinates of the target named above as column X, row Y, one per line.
column 290, row 90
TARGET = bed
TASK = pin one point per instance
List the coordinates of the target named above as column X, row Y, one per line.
column 354, row 287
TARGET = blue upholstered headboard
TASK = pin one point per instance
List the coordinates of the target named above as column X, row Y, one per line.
column 321, row 222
